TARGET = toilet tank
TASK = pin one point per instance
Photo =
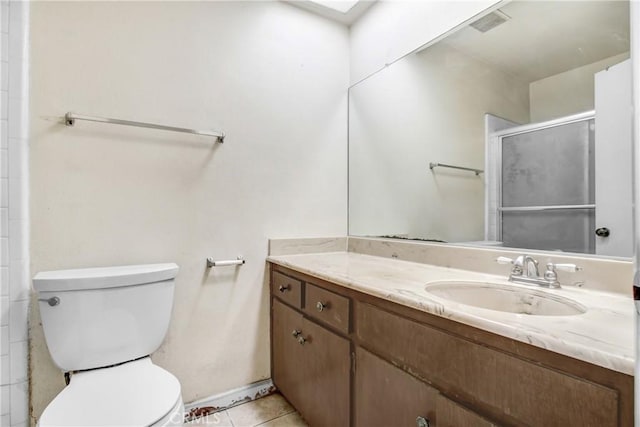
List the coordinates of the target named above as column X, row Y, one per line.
column 98, row 317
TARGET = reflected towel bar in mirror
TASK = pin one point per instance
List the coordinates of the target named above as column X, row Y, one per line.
column 545, row 208
column 70, row 119
column 443, row 165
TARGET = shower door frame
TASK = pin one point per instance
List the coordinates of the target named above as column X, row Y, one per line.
column 493, row 175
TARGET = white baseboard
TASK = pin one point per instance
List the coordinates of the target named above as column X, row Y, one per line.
column 227, row 399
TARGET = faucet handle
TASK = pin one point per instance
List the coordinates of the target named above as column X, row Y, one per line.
column 552, row 278
column 550, row 275
column 504, row 260
column 518, row 264
column 571, row 268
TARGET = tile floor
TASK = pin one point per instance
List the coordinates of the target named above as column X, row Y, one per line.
column 270, row 411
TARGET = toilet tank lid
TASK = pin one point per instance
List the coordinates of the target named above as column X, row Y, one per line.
column 103, row 277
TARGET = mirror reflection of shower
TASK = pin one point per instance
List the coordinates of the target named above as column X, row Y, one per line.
column 431, row 108
column 542, row 188
column 546, row 198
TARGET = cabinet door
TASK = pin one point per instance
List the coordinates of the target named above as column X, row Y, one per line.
column 387, row 396
column 450, row 414
column 287, row 362
column 326, row 389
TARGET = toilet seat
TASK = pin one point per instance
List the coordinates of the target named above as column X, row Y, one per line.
column 136, row 393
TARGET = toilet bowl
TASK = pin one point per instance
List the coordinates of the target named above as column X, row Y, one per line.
column 100, row 326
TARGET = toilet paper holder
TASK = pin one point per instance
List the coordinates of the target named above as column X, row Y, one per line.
column 225, row 263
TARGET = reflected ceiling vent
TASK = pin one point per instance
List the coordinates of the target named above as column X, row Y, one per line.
column 490, row 21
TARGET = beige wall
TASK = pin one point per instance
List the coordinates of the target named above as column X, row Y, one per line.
column 273, row 77
column 567, row 93
column 428, row 107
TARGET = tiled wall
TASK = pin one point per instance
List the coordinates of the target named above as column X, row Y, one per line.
column 14, row 277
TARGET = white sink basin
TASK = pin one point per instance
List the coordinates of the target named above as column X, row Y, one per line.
column 511, row 299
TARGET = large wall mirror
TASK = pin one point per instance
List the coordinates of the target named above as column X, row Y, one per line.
column 513, row 130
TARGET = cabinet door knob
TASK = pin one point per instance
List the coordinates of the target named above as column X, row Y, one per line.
column 301, row 340
column 296, row 332
column 422, row 422
column 283, row 289
column 603, row 232
column 321, row 306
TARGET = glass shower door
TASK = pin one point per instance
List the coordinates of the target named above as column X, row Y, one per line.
column 547, row 188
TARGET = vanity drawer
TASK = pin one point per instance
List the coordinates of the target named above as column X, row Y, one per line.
column 327, row 307
column 492, row 382
column 287, row 289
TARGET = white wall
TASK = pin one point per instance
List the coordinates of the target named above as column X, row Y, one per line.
column 391, row 29
column 272, row 76
column 567, row 93
column 428, row 107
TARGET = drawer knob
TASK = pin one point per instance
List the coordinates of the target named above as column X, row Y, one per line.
column 422, row 422
column 301, row 340
column 283, row 289
column 321, row 306
column 296, row 332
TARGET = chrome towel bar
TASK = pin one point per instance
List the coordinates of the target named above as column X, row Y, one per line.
column 545, row 208
column 70, row 120
column 211, row 263
column 442, row 165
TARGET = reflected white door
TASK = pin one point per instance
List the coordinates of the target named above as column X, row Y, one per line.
column 614, row 113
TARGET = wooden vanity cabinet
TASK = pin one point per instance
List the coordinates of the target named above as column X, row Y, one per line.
column 371, row 362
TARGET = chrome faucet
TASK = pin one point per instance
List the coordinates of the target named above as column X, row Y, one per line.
column 525, row 271
column 529, row 266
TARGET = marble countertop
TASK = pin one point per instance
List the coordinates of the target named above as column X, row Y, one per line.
column 604, row 335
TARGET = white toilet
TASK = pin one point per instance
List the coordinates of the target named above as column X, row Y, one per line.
column 101, row 325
